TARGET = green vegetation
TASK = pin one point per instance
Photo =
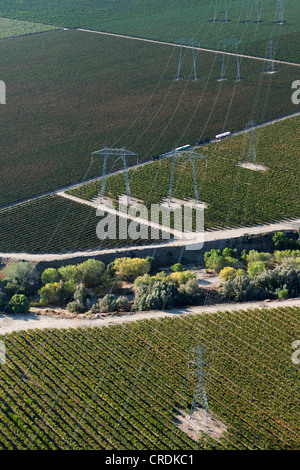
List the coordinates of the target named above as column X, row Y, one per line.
column 69, row 96
column 171, row 19
column 72, row 395
column 11, row 28
column 235, row 195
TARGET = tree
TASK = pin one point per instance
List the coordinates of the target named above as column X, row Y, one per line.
column 160, row 295
column 91, row 272
column 19, row 304
column 50, row 275
column 106, row 305
column 256, row 268
column 21, row 273
column 70, row 273
column 130, row 268
column 177, row 267
column 227, row 273
column 282, row 242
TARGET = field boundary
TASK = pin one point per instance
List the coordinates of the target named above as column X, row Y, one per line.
column 32, row 321
column 147, row 162
column 197, row 48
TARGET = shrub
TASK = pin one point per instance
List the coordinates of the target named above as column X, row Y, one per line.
column 107, row 304
column 11, row 289
column 227, row 273
column 160, row 295
column 122, row 303
column 2, row 300
column 145, row 279
column 256, row 268
column 19, row 304
column 70, row 273
column 76, row 307
column 153, row 265
column 180, row 277
column 241, row 289
column 131, row 268
column 50, row 275
column 282, row 242
column 51, row 293
column 191, row 288
column 240, row 273
column 110, row 269
column 264, row 257
column 81, row 295
column 283, row 294
column 91, row 272
column 229, row 253
column 57, row 293
column 273, row 281
column 21, row 273
column 177, row 267
column 216, row 262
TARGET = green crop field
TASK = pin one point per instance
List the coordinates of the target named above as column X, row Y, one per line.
column 70, row 93
column 53, row 224
column 171, row 20
column 121, row 387
column 11, row 28
column 235, row 195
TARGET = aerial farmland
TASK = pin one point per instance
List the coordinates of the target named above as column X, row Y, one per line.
column 129, row 132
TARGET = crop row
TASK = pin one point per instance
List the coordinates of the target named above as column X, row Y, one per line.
column 120, row 387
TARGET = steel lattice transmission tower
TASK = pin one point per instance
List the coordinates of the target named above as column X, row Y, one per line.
column 257, row 11
column 199, row 366
column 280, row 12
column 185, row 42
column 190, row 155
column 216, row 11
column 251, row 155
column 236, row 43
column 271, row 57
column 122, row 154
column 225, row 42
column 180, row 60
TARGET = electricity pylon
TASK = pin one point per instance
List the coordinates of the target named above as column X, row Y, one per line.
column 122, row 154
column 190, row 155
column 270, row 53
column 199, row 366
column 182, row 43
column 257, row 11
column 225, row 42
column 280, row 12
column 216, row 12
column 251, row 154
column 180, row 60
column 236, row 44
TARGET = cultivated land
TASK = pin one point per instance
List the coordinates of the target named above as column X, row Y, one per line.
column 70, row 93
column 171, row 20
column 121, row 387
column 235, row 195
column 12, row 28
column 55, row 225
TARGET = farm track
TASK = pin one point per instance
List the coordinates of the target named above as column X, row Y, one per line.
column 186, row 47
column 223, row 234
column 10, row 323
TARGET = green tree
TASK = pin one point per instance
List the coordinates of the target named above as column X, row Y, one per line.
column 130, row 268
column 91, row 272
column 19, row 304
column 50, row 275
column 21, row 273
column 70, row 273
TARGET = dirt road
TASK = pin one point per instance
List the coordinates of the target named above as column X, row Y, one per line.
column 9, row 323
